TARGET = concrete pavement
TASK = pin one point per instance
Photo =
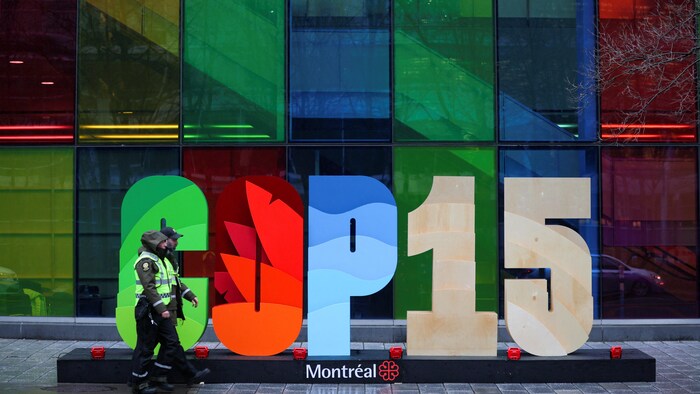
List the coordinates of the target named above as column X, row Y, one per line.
column 29, row 366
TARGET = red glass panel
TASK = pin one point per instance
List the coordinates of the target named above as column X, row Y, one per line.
column 623, row 9
column 649, row 223
column 657, row 103
column 212, row 169
column 37, row 71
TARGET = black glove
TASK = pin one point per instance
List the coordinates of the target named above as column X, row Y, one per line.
column 178, row 298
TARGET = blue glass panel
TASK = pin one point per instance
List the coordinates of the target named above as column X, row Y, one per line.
column 565, row 162
column 339, row 71
column 544, row 50
column 520, row 122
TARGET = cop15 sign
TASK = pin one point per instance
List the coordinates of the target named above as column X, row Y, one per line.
column 352, row 251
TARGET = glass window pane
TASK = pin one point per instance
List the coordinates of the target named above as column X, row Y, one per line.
column 561, row 163
column 37, row 71
column 649, row 224
column 36, row 232
column 128, row 71
column 544, row 48
column 443, row 70
column 212, row 169
column 414, row 169
column 339, row 70
column 372, row 162
column 234, row 71
column 104, row 177
column 660, row 102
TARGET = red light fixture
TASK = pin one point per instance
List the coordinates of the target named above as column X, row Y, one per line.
column 395, row 352
column 201, row 351
column 97, row 352
column 513, row 353
column 39, row 127
column 646, row 126
column 616, row 352
column 300, row 353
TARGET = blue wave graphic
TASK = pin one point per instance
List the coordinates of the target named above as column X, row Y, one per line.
column 337, row 194
column 372, row 258
column 330, row 287
column 375, row 220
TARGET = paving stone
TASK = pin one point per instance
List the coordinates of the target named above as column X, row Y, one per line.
column 511, row 388
column 590, row 388
column 28, row 365
column 378, row 389
column 538, row 388
column 297, row 388
column 432, row 388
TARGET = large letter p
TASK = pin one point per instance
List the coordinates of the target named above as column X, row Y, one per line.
column 352, row 252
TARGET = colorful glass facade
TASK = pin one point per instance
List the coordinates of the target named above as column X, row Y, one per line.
column 96, row 95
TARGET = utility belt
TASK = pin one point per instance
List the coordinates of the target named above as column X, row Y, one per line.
column 142, row 309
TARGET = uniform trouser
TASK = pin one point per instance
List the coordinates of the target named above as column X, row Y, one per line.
column 179, row 361
column 148, row 334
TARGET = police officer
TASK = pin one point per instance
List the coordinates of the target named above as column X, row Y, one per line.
column 182, row 291
column 179, row 291
column 155, row 290
column 153, row 293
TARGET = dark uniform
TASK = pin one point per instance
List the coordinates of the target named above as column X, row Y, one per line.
column 154, row 293
column 179, row 291
column 182, row 291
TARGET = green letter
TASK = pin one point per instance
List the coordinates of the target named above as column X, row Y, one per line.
column 184, row 206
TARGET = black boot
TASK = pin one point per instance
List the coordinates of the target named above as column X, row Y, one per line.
column 143, row 388
column 163, row 386
column 199, row 376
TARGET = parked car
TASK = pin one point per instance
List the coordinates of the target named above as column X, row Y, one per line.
column 637, row 281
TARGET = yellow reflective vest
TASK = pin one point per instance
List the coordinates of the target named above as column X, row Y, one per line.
column 164, row 278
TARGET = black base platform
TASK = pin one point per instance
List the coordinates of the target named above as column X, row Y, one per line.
column 375, row 366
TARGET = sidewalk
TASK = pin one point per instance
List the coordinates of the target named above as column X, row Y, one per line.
column 29, row 366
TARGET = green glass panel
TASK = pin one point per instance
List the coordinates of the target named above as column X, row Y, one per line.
column 414, row 169
column 234, row 72
column 443, row 70
column 36, row 232
column 129, row 71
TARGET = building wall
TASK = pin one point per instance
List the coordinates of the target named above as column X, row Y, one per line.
column 96, row 95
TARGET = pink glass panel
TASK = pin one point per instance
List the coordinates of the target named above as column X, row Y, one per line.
column 37, row 71
column 650, row 227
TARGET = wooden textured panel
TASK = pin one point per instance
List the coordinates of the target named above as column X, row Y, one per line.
column 445, row 224
column 529, row 243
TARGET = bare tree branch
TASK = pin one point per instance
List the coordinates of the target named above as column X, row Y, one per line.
column 646, row 69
